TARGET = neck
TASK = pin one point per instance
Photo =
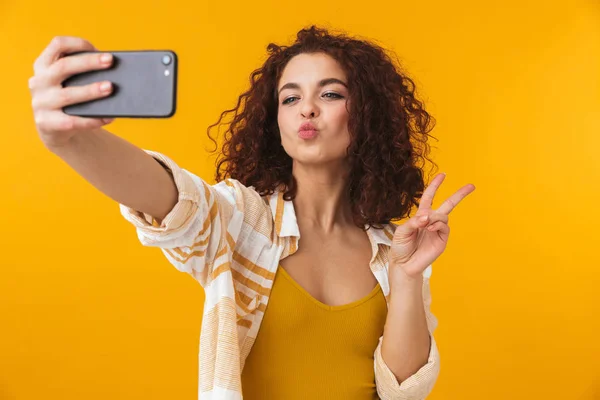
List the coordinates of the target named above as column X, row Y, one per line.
column 321, row 201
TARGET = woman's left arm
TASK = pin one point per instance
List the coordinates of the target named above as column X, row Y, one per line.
column 407, row 349
column 407, row 361
column 406, row 340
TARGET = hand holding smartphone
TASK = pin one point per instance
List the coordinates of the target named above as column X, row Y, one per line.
column 77, row 89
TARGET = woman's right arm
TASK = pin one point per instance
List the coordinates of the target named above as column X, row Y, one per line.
column 196, row 225
column 122, row 171
column 114, row 166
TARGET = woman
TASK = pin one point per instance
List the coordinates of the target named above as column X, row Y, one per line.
column 324, row 146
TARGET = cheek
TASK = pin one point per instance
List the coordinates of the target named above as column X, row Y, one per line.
column 285, row 131
column 283, row 119
column 338, row 122
column 339, row 117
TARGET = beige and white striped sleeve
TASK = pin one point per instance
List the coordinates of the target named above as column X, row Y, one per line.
column 204, row 222
column 419, row 385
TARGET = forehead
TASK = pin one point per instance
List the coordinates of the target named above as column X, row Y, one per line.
column 310, row 68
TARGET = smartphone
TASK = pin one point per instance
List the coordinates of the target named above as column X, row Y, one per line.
column 144, row 86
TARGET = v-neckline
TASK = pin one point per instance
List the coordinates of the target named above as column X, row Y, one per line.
column 328, row 307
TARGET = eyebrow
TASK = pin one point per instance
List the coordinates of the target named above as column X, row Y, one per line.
column 322, row 82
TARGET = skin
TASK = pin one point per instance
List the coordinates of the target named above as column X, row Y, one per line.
column 332, row 262
column 54, row 127
column 319, row 164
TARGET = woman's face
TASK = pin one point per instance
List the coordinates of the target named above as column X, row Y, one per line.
column 313, row 89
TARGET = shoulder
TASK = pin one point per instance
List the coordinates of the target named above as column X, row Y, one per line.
column 264, row 213
column 243, row 198
column 383, row 234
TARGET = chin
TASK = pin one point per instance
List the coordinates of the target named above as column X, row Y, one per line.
column 315, row 158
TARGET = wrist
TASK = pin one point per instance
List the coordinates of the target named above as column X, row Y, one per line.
column 399, row 279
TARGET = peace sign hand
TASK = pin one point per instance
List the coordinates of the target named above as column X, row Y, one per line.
column 417, row 243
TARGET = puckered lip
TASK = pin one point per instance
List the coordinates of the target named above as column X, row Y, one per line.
column 307, row 126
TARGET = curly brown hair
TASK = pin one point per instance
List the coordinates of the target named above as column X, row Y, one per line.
column 388, row 129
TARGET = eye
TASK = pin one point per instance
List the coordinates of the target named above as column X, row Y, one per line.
column 329, row 95
column 286, row 101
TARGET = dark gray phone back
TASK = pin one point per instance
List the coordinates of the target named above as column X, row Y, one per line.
column 144, row 86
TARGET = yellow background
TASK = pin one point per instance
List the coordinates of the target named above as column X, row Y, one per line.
column 87, row 312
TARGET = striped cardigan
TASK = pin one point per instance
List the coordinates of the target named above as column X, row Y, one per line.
column 231, row 240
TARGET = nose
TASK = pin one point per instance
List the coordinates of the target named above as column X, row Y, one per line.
column 309, row 109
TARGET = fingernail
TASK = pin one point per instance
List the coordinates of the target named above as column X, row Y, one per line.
column 423, row 218
column 105, row 86
column 106, row 58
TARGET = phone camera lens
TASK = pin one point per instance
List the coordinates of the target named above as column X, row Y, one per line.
column 166, row 60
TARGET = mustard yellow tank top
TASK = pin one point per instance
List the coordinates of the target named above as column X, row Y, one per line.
column 306, row 349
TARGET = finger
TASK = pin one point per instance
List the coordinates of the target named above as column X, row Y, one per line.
column 443, row 230
column 57, row 98
column 40, row 81
column 71, row 65
column 57, row 121
column 59, row 46
column 456, row 198
column 413, row 224
column 439, row 226
column 437, row 217
column 32, row 83
column 421, row 221
column 429, row 193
